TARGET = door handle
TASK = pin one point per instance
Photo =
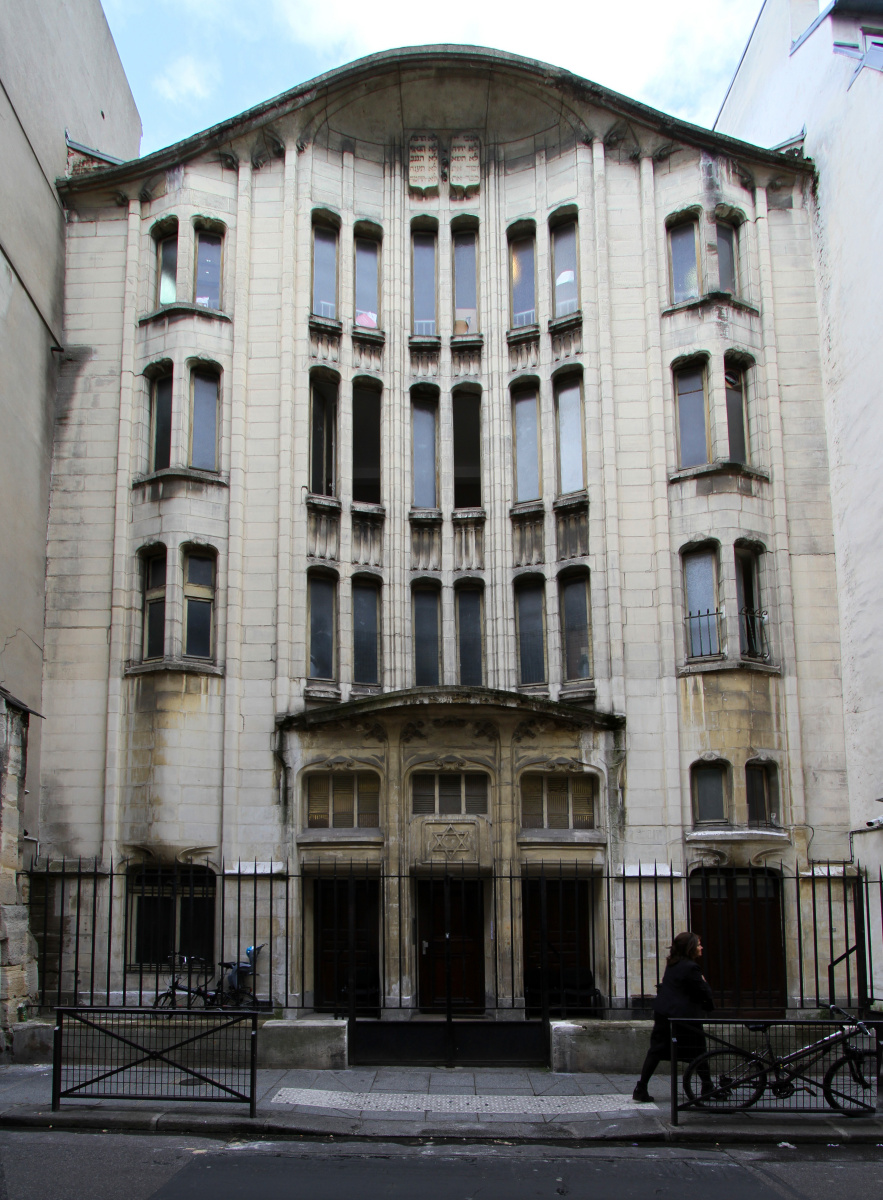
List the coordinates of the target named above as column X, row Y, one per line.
column 425, row 947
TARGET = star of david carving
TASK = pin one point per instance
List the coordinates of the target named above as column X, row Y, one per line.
column 450, row 842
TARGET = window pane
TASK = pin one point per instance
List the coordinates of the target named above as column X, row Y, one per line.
column 204, row 438
column 557, row 816
column 532, row 801
column 465, row 284
column 156, row 571
column 467, row 450
column 198, row 636
column 369, row 800
column 167, row 262
column 424, row 453
column 324, row 418
column 366, row 445
column 756, row 787
column 691, row 418
column 422, row 794
column 201, row 571
column 449, row 794
column 475, row 795
column 577, row 656
column 322, row 606
column 527, row 457
column 726, row 257
column 317, row 801
column 708, row 783
column 736, row 416
column 208, row 270
column 424, row 284
column 750, row 619
column 156, row 629
column 582, row 791
column 531, row 647
column 343, row 807
column 365, row 633
column 702, row 628
column 367, row 265
column 570, row 438
column 523, row 283
column 684, row 269
column 469, row 634
column 564, row 255
column 325, row 272
column 425, row 638
column 162, row 423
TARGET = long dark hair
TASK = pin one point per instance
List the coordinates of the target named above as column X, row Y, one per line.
column 684, row 946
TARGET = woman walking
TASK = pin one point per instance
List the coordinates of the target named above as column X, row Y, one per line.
column 683, row 992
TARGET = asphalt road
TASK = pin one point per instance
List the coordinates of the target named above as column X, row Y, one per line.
column 50, row 1165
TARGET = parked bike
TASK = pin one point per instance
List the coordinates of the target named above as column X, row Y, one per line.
column 740, row 1077
column 233, row 989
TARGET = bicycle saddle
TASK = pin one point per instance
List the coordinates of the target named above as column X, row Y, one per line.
column 757, row 1026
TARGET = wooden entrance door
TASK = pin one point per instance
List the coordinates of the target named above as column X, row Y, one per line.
column 450, row 944
column 557, row 924
column 346, row 927
column 738, row 915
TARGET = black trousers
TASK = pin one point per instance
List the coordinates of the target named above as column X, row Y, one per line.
column 691, row 1043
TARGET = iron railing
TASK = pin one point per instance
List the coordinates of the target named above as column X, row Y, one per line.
column 753, row 642
column 795, row 1066
column 703, row 631
column 555, row 940
column 143, row 1054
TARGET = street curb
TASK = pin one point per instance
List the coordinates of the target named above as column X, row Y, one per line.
column 866, row 1131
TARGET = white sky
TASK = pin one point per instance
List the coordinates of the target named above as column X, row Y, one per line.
column 192, row 63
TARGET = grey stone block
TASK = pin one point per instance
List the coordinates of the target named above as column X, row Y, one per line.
column 317, row 1044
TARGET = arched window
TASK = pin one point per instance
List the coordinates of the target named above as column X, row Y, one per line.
column 342, row 800
column 153, row 569
column 558, row 801
column 708, row 783
column 426, row 617
column 762, row 793
column 322, row 601
column 199, row 603
column 530, row 624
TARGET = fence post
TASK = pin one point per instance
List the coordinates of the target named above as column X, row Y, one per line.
column 56, row 1061
column 674, row 1075
column 861, row 947
column 253, row 1073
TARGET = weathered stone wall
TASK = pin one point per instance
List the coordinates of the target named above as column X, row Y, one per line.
column 18, row 971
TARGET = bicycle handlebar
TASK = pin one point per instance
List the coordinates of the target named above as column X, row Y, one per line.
column 834, row 1008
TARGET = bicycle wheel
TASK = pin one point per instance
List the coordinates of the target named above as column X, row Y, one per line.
column 850, row 1084
column 737, row 1080
column 165, row 1000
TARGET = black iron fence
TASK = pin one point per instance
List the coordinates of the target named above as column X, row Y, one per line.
column 142, row 1054
column 559, row 940
column 795, row 1066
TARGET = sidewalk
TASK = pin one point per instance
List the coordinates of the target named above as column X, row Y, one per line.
column 395, row 1103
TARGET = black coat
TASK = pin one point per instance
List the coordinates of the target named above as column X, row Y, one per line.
column 683, row 992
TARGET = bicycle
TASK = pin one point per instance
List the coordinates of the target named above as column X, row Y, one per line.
column 231, row 991
column 739, row 1077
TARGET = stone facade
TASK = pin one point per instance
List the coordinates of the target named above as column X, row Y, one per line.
column 18, row 973
column 699, row 593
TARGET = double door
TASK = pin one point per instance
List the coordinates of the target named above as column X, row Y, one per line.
column 450, row 945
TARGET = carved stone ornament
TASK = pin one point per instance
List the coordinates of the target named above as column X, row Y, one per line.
column 412, row 731
column 371, row 731
column 449, row 842
column 709, row 756
column 465, row 169
column 486, row 730
column 423, row 174
column 450, row 762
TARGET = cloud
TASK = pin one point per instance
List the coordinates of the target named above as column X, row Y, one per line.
column 187, row 80
column 647, row 56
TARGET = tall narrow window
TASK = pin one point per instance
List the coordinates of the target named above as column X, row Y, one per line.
column 692, row 425
column 423, row 425
column 366, row 445
column 426, row 637
column 323, row 438
column 467, row 449
column 366, row 633
column 154, row 566
column 683, row 262
column 323, row 626
column 522, row 279
column 752, row 630
column 735, row 385
column 575, row 629
column 325, row 272
column 527, row 446
column 469, row 639
column 557, row 801
column 423, row 286
column 568, row 401
column 728, row 257
column 709, row 794
column 161, row 424
column 204, row 421
column 199, row 605
column 167, row 270
column 564, row 270
column 761, row 787
column 367, row 283
column 343, row 801
column 530, row 617
column 208, row 269
column 466, row 282
column 703, row 618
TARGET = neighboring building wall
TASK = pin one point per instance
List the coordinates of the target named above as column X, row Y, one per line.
column 18, row 973
column 780, row 90
column 159, row 754
column 59, row 70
